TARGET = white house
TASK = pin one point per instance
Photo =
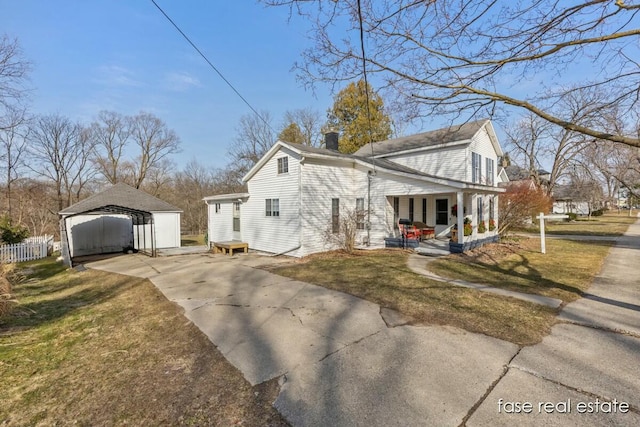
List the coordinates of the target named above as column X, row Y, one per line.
column 297, row 193
column 117, row 218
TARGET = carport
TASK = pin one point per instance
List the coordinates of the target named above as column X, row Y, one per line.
column 118, row 219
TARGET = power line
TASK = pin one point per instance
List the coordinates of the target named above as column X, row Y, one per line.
column 211, row 65
column 366, row 83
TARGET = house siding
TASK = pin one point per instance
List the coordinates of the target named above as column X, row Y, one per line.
column 481, row 144
column 445, row 162
column 221, row 223
column 322, row 182
column 274, row 234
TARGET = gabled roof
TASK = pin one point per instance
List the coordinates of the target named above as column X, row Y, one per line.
column 439, row 137
column 121, row 195
column 378, row 163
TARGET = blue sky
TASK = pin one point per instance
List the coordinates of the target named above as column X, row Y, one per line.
column 125, row 56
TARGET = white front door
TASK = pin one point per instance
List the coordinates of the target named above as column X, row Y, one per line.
column 236, row 221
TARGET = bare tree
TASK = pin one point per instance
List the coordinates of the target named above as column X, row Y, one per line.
column 255, row 138
column 191, row 185
column 60, row 152
column 111, row 133
column 13, row 143
column 14, row 70
column 467, row 58
column 155, row 142
column 309, row 122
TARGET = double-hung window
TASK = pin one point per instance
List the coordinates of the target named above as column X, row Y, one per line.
column 335, row 216
column 490, row 171
column 272, row 207
column 360, row 214
column 283, row 165
column 476, row 168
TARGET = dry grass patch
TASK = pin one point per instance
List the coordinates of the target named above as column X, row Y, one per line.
column 564, row 272
column 192, row 240
column 383, row 277
column 95, row 348
column 610, row 224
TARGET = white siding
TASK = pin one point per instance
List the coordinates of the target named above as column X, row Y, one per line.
column 221, row 223
column 274, row 234
column 444, row 162
column 481, row 144
column 167, row 228
column 322, row 182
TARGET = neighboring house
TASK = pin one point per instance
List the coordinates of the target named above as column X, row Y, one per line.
column 296, row 194
column 117, row 218
column 577, row 199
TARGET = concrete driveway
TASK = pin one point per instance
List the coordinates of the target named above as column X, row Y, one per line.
column 340, row 364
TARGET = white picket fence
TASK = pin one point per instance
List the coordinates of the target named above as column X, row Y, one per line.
column 31, row 248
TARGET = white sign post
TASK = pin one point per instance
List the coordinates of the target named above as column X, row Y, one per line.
column 542, row 217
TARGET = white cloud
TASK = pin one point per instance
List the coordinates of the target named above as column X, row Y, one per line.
column 180, row 81
column 115, row 75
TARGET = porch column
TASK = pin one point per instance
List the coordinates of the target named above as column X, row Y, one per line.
column 460, row 217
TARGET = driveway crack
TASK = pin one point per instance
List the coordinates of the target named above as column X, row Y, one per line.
column 493, row 385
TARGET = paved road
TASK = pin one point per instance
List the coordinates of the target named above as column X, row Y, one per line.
column 341, row 364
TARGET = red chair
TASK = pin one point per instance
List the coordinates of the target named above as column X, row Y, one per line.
column 408, row 231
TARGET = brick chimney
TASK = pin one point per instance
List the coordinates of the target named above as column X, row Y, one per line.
column 331, row 140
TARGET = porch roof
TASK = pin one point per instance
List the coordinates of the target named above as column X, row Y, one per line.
column 226, row 197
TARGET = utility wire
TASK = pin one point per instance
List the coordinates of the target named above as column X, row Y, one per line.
column 211, row 65
column 366, row 83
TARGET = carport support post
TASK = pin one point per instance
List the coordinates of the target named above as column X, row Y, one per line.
column 460, row 217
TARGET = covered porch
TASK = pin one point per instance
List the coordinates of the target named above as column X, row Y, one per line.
column 474, row 211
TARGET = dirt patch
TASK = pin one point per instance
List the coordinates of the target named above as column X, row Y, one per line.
column 495, row 252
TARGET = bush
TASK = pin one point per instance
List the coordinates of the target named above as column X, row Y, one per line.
column 492, row 225
column 572, row 216
column 482, row 227
column 598, row 212
column 11, row 234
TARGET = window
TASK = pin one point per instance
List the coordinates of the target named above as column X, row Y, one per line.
column 442, row 212
column 335, row 216
column 480, row 210
column 424, row 210
column 217, row 208
column 283, row 165
column 411, row 209
column 236, row 216
column 272, row 207
column 489, row 171
column 476, row 167
column 491, row 209
column 396, row 209
column 360, row 214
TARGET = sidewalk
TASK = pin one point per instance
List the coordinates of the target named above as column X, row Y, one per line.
column 589, row 361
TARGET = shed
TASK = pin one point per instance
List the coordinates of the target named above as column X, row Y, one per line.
column 119, row 218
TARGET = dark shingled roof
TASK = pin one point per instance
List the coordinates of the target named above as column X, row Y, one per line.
column 121, row 195
column 426, row 139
